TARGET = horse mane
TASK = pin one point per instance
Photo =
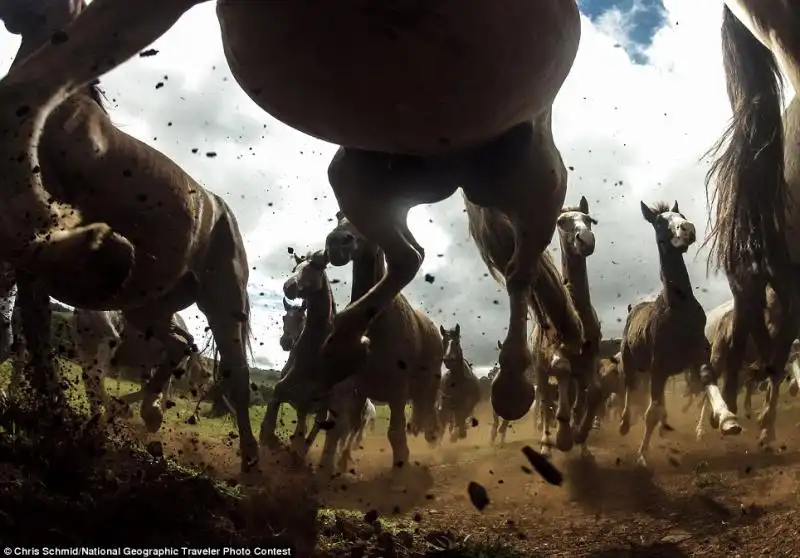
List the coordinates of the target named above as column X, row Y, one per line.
column 661, row 207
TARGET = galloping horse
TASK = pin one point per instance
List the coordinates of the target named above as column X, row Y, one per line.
column 665, row 336
column 466, row 100
column 131, row 230
column 461, row 391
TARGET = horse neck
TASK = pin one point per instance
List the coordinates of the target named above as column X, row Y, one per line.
column 675, row 283
column 320, row 309
column 574, row 270
column 367, row 271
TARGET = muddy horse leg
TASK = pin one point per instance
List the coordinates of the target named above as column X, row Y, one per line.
column 398, row 438
column 776, row 372
column 36, row 316
column 748, row 398
column 654, row 414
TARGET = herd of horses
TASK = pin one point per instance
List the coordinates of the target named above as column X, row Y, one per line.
column 105, row 223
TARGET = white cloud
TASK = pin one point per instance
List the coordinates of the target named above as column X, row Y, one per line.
column 631, row 132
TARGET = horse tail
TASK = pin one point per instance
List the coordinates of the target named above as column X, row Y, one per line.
column 748, row 174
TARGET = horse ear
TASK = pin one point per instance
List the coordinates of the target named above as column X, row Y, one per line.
column 442, row 331
column 584, row 205
column 458, row 329
column 286, row 305
column 648, row 214
column 499, row 346
column 297, row 259
column 339, row 215
column 675, row 207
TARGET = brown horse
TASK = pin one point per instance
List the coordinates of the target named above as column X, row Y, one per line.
column 406, row 351
column 309, row 281
column 461, row 391
column 577, row 375
column 186, row 241
column 756, row 180
column 719, row 332
column 467, row 107
column 294, row 322
column 665, row 336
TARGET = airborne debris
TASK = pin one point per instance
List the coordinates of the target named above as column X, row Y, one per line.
column 148, row 52
column 477, row 495
column 429, row 278
column 543, row 466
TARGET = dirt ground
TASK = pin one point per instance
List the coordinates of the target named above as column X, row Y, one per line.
column 711, row 498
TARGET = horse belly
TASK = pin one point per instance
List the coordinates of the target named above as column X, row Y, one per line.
column 408, row 76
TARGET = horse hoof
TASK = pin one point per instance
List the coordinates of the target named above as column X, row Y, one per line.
column 511, row 397
column 730, row 427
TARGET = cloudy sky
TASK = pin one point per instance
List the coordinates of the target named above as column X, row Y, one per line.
column 645, row 99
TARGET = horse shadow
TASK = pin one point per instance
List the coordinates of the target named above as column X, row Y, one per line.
column 631, row 490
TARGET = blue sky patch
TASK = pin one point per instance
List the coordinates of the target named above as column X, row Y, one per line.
column 644, row 18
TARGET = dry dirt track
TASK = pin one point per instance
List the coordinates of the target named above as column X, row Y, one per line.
column 715, row 498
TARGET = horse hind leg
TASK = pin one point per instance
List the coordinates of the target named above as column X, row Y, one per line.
column 369, row 188
column 522, row 175
column 776, row 371
column 654, row 414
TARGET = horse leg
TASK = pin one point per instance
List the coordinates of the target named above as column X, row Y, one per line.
column 794, row 371
column 397, row 437
column 267, row 436
column 371, row 189
column 543, row 403
column 156, row 321
column 699, row 430
column 776, row 371
column 654, row 414
column 748, row 398
column 495, row 425
column 298, row 441
column 36, row 317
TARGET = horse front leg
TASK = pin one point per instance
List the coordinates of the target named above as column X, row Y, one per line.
column 36, row 316
column 369, row 188
column 107, row 33
column 543, row 406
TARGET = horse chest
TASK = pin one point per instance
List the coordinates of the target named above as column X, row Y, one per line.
column 410, row 77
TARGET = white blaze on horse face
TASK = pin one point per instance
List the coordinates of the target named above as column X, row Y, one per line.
column 573, row 224
column 308, row 278
column 683, row 231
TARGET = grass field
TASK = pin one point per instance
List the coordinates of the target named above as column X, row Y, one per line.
column 185, row 404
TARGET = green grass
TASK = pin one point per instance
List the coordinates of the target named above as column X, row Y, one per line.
column 185, row 404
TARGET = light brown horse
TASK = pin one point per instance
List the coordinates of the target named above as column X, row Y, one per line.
column 719, row 332
column 406, row 351
column 755, row 181
column 186, row 241
column 461, row 391
column 575, row 371
column 665, row 336
column 467, row 101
